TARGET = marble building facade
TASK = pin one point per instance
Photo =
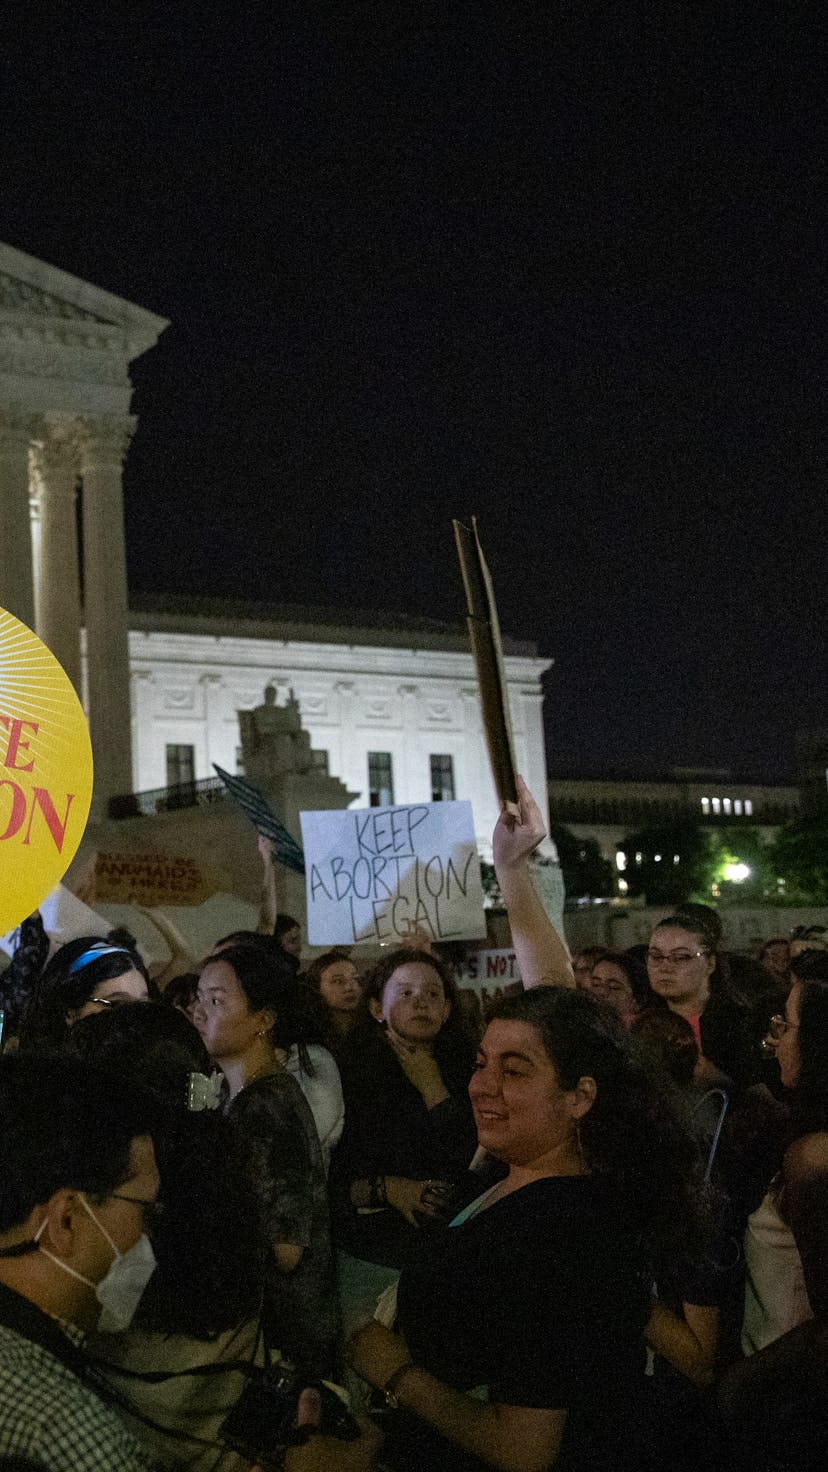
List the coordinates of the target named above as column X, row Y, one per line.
column 390, row 703
column 382, row 699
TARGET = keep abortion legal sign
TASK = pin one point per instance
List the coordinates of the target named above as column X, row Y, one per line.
column 376, row 874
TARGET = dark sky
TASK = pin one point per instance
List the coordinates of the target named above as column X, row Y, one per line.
column 559, row 265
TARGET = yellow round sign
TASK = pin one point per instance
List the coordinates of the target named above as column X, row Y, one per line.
column 45, row 771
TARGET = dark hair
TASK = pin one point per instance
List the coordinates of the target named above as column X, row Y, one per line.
column 64, row 1126
column 313, row 973
column 269, row 984
column 453, row 1045
column 810, row 1106
column 180, row 992
column 67, row 982
column 637, row 978
column 633, row 1135
column 682, row 920
column 283, row 924
column 703, row 920
column 381, row 973
column 669, row 1041
column 775, row 940
column 155, row 1047
column 207, row 1245
column 589, row 953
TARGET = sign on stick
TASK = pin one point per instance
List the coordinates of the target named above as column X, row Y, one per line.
column 377, row 874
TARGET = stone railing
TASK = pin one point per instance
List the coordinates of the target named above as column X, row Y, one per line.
column 167, row 799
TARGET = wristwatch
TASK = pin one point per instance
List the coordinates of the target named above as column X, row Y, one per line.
column 388, row 1391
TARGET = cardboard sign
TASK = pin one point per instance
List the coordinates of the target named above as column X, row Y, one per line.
column 45, row 771
column 489, row 966
column 376, row 874
column 285, row 848
column 487, row 648
column 148, row 879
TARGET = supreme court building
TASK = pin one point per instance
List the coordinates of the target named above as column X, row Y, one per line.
column 390, row 703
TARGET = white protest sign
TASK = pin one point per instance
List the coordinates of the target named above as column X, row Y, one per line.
column 376, row 874
column 481, row 967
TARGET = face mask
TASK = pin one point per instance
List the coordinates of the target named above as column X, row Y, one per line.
column 119, row 1292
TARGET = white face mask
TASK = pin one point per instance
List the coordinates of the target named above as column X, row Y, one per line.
column 119, row 1292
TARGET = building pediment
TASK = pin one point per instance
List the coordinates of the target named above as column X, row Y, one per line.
column 41, row 302
column 21, row 298
column 66, row 345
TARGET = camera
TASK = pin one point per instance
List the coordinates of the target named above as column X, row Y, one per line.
column 263, row 1422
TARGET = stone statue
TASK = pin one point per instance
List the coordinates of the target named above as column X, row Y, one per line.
column 273, row 742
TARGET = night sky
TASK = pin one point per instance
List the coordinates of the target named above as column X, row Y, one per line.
column 561, row 266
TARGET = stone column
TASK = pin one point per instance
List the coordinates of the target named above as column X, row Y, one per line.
column 103, row 447
column 55, row 467
column 212, row 686
column 16, row 579
column 415, row 774
column 143, row 696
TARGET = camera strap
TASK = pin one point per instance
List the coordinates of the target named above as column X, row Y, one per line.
column 24, row 1318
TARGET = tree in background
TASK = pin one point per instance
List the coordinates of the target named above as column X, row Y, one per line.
column 800, row 857
column 586, row 873
column 668, row 864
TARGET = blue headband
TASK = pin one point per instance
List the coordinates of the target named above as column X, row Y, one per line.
column 94, row 954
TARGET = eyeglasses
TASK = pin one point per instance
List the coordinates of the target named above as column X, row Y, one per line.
column 674, row 958
column 151, row 1211
column 779, row 1025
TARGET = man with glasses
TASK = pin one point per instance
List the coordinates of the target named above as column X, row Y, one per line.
column 78, row 1187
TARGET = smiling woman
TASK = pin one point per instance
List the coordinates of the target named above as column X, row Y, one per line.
column 519, row 1341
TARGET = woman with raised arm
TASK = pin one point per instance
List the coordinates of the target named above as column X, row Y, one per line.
column 542, row 957
column 519, row 1337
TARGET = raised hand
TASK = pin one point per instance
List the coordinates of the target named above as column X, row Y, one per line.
column 514, row 839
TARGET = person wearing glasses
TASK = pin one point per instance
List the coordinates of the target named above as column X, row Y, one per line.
column 682, row 971
column 85, row 976
column 77, row 1175
column 774, row 1403
column 785, row 1242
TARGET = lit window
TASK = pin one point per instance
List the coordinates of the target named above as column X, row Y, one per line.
column 748, row 807
column 726, row 804
column 717, row 807
column 737, row 805
column 705, row 802
column 442, row 779
column 620, row 861
column 380, row 779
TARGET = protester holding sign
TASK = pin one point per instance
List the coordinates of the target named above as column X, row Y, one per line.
column 519, row 1337
column 408, row 1125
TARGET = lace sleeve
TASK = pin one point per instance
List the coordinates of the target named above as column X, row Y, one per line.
column 17, row 982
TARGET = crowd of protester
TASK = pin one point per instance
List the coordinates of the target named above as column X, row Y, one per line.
column 334, row 1221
